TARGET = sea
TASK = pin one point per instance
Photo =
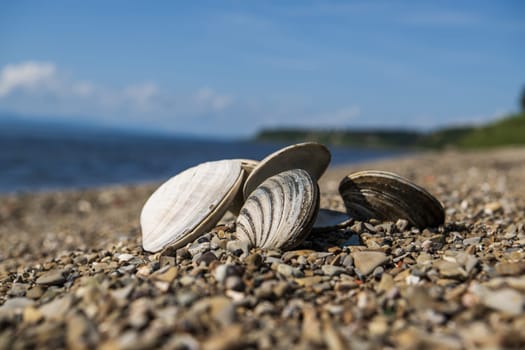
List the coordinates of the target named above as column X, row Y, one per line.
column 39, row 160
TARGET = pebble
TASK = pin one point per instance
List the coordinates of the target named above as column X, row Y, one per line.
column 234, row 283
column 460, row 285
column 206, row 258
column 15, row 304
column 367, row 261
column 18, row 290
column 309, row 281
column 289, row 271
column 331, row 270
column 471, row 240
column 506, row 300
column 54, row 277
column 226, row 270
column 57, row 308
column 238, row 247
column 125, row 257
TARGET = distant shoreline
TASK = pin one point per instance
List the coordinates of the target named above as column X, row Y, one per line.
column 507, row 131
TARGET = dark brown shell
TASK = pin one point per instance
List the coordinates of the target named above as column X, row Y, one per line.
column 387, row 196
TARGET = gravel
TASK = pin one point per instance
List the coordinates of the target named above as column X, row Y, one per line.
column 73, row 273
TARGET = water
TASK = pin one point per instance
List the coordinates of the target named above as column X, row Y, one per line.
column 32, row 161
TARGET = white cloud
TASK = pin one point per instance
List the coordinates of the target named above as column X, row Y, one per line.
column 26, row 76
column 207, row 98
column 41, row 88
column 83, row 88
column 142, row 94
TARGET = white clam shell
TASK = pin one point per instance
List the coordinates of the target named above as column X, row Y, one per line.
column 188, row 204
column 310, row 156
column 280, row 212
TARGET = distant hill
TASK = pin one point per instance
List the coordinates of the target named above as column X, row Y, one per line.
column 16, row 125
column 506, row 131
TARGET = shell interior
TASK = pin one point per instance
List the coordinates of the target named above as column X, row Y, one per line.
column 247, row 165
column 188, row 204
column 280, row 212
column 329, row 220
column 388, row 196
column 310, row 156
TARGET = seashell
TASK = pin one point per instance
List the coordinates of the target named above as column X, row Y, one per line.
column 247, row 165
column 387, row 196
column 189, row 203
column 281, row 211
column 329, row 220
column 310, row 156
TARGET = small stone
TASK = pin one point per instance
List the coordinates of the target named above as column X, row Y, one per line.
column 333, row 338
column 254, row 260
column 31, row 315
column 264, row 308
column 199, row 248
column 221, row 309
column 81, row 333
column 401, row 225
column 378, row 326
column 18, row 290
column 206, row 258
column 378, row 271
column 506, row 300
column 234, row 283
column 309, row 281
column 345, row 286
column 348, row 261
column 450, row 269
column 510, row 268
column 57, row 308
column 53, row 277
column 238, row 247
column 36, row 292
column 166, row 274
column 127, row 269
column 311, row 328
column 124, row 257
column 471, row 240
column 15, row 304
column 289, row 271
column 293, row 254
column 229, row 338
column 226, row 270
column 187, row 280
column 165, row 260
column 123, row 293
column 331, row 270
column 367, row 261
column 492, row 208
column 386, row 283
column 186, row 298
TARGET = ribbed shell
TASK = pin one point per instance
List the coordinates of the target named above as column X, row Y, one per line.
column 388, row 196
column 310, row 156
column 280, row 212
column 188, row 204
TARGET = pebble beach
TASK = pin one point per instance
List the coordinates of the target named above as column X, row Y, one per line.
column 73, row 273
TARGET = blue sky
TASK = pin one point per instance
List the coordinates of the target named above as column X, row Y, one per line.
column 229, row 68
